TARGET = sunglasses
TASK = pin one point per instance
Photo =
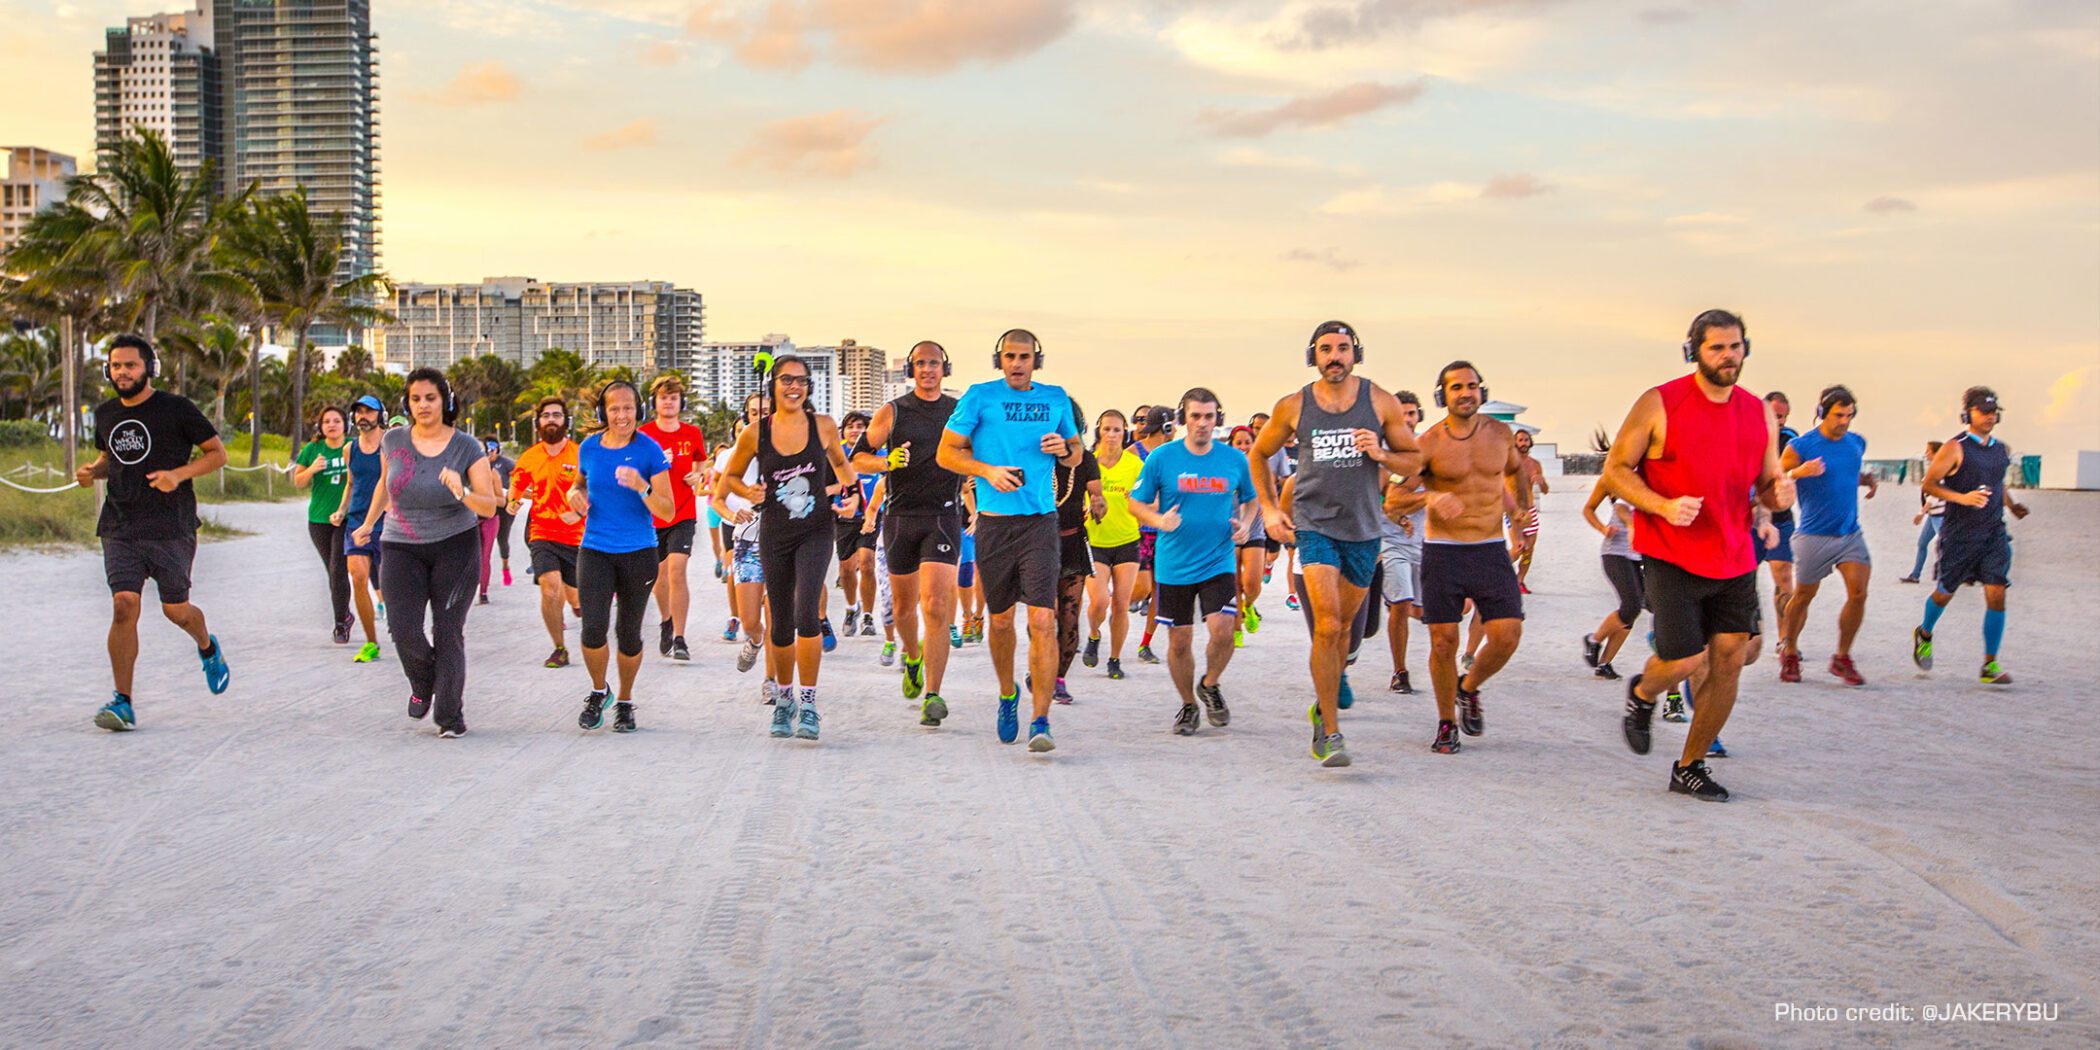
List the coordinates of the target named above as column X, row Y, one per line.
column 792, row 380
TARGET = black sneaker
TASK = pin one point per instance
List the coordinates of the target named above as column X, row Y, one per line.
column 1692, row 780
column 1146, row 655
column 1185, row 721
column 418, row 707
column 663, row 638
column 1401, row 684
column 1469, row 718
column 623, row 717
column 1605, row 672
column 1091, row 655
column 484, row 599
column 1592, row 650
column 678, row 649
column 593, row 714
column 1115, row 668
column 342, row 630
column 1639, row 713
column 1213, row 704
column 1446, row 739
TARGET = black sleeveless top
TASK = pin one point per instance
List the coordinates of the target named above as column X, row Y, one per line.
column 794, row 485
column 1981, row 464
column 923, row 488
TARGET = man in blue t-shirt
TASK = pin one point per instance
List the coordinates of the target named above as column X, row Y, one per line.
column 1827, row 464
column 1199, row 493
column 1012, row 432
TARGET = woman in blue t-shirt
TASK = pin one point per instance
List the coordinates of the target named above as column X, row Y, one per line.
column 626, row 486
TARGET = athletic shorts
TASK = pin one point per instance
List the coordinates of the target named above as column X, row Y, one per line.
column 1403, row 572
column 714, row 520
column 1074, row 556
column 1452, row 573
column 1987, row 561
column 1690, row 608
column 369, row 550
column 1531, row 522
column 744, row 559
column 1120, row 554
column 913, row 540
column 1148, row 542
column 1357, row 559
column 847, row 539
column 966, row 575
column 1179, row 603
column 1019, row 559
column 130, row 563
column 1784, row 551
column 549, row 556
column 1816, row 557
column 675, row 538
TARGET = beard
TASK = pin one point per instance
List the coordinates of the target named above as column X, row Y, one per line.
column 1716, row 376
column 133, row 390
column 552, row 432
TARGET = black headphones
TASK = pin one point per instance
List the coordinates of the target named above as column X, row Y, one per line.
column 139, row 344
column 1979, row 401
column 1181, row 411
column 437, row 379
column 631, row 388
column 1710, row 319
column 1325, row 328
column 1438, row 393
column 1836, row 394
column 1104, row 415
column 1000, row 343
column 947, row 366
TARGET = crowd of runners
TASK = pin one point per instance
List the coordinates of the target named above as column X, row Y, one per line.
column 1009, row 517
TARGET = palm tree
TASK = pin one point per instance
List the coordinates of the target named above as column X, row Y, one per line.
column 354, row 362
column 219, row 349
column 69, row 274
column 159, row 222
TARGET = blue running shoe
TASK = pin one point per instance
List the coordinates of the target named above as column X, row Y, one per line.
column 806, row 726
column 729, row 630
column 1716, row 750
column 1039, row 736
column 115, row 716
column 1010, row 718
column 783, row 715
column 831, row 641
column 216, row 674
column 1344, row 697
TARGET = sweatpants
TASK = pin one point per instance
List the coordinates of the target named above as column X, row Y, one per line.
column 328, row 543
column 439, row 576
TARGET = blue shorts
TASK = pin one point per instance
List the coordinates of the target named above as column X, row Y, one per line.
column 370, row 550
column 1357, row 559
column 714, row 520
column 744, row 563
column 1785, row 549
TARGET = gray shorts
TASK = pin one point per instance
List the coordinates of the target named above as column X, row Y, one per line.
column 1403, row 572
column 1815, row 557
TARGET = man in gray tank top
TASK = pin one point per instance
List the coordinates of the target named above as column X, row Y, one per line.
column 1351, row 435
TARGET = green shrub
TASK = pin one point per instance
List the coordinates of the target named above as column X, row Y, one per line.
column 23, row 433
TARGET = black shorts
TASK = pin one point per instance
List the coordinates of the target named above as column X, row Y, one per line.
column 1455, row 572
column 676, row 538
column 1075, row 556
column 1690, row 608
column 849, row 540
column 1148, row 542
column 549, row 556
column 130, row 563
column 1987, row 561
column 1018, row 560
column 915, row 539
column 1121, row 554
column 1179, row 602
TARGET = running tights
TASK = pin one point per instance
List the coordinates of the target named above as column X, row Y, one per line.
column 1625, row 576
column 1071, row 598
column 794, row 567
column 437, row 576
column 328, row 543
column 503, row 520
column 604, row 578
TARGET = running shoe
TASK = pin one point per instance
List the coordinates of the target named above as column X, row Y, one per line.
column 729, row 630
column 1673, row 707
column 449, row 733
column 1921, row 648
column 1401, row 684
column 1146, row 655
column 1039, row 736
column 1592, row 650
column 1059, row 694
column 366, row 653
column 1319, row 731
column 1716, row 749
column 1115, row 669
column 932, row 710
column 783, row 717
column 1214, row 707
column 484, row 598
column 954, row 637
column 1465, row 665
column 1010, row 718
column 806, row 723
column 559, row 657
column 1239, row 635
column 767, row 691
column 1841, row 666
column 1906, row 579
column 1253, row 620
column 1789, row 666
column 1992, row 674
column 342, row 630
column 216, row 674
column 867, row 625
column 1337, row 752
column 1469, row 720
column 418, row 707
column 1344, row 697
column 1446, row 742
column 1638, row 714
column 506, row 575
column 115, row 716
column 889, row 655
column 623, row 717
column 1693, row 780
column 382, row 612
column 747, row 656
column 679, row 650
column 831, row 641
column 1290, row 601
column 1523, row 588
column 1606, row 672
column 1185, row 720
column 593, row 714
column 663, row 636
column 1091, row 655
column 914, row 678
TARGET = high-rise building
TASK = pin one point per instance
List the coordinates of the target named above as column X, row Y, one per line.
column 36, row 179
column 727, row 372
column 647, row 326
column 160, row 72
column 861, row 369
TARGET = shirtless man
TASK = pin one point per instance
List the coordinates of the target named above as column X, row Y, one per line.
column 1532, row 478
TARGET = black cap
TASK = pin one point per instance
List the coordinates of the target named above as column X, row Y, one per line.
column 1981, row 399
column 1156, row 420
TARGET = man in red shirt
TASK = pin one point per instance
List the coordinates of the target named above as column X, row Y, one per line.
column 674, row 537
column 1688, row 458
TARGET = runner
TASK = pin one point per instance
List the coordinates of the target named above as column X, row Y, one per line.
column 1471, row 466
column 1337, row 497
column 1155, row 427
column 362, row 559
column 747, row 573
column 1688, row 457
column 1827, row 464
column 495, row 531
column 1011, row 432
column 687, row 448
column 1079, row 500
column 1969, row 473
column 1199, row 495
column 148, row 526
column 798, row 525
column 1253, row 554
column 1779, row 557
column 969, row 593
column 924, row 539
column 1931, row 512
column 1114, row 539
column 436, row 483
column 324, row 467
column 1533, row 477
column 543, row 476
column 1622, row 566
column 856, row 536
column 627, row 487
column 1406, row 521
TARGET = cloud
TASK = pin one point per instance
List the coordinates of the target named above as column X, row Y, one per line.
column 1514, row 187
column 1346, row 25
column 1327, row 257
column 1664, row 16
column 1311, row 111
column 481, row 82
column 1889, row 205
column 707, row 21
column 831, row 144
column 776, row 41
column 626, row 136
column 661, row 53
column 935, row 36
column 2063, row 394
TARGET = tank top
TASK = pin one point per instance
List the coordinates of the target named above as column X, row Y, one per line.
column 1337, row 494
column 923, row 487
column 1620, row 545
column 1715, row 452
column 1983, row 462
column 364, row 480
column 794, row 485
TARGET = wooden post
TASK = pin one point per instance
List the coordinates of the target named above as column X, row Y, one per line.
column 69, row 401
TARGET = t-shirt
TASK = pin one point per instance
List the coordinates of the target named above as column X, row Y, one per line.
column 1006, row 427
column 420, row 509
column 1787, row 435
column 685, row 448
column 544, row 479
column 1118, row 526
column 1207, row 489
column 502, row 465
column 748, row 531
column 619, row 521
column 1072, row 483
column 1392, row 535
column 156, row 434
column 325, row 487
column 1829, row 502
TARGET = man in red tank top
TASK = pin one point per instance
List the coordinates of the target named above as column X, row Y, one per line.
column 1688, row 458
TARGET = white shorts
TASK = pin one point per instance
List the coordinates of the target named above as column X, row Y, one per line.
column 1403, row 572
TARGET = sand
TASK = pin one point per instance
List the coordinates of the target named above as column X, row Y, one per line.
column 295, row 863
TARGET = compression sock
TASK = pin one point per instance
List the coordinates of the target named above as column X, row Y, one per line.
column 1993, row 632
column 1933, row 610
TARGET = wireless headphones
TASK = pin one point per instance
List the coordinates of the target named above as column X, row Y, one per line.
column 1835, row 395
column 1329, row 327
column 1438, row 393
column 607, row 389
column 947, row 366
column 1181, row 411
column 1000, row 344
column 1980, row 399
column 1104, row 415
column 434, row 378
column 139, row 344
column 1697, row 332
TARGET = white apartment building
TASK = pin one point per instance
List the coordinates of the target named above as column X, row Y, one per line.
column 727, row 372
column 36, row 179
column 161, row 73
column 648, row 326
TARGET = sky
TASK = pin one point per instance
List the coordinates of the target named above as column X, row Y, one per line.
column 1901, row 197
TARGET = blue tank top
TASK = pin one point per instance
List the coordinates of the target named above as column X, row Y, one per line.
column 364, row 480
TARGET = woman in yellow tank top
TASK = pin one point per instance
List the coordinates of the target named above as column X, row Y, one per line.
column 1115, row 542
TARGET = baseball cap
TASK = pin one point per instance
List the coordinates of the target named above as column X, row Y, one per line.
column 368, row 401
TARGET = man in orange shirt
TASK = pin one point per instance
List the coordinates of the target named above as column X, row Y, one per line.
column 687, row 449
column 542, row 477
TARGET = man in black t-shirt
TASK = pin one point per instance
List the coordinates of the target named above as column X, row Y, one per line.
column 149, row 513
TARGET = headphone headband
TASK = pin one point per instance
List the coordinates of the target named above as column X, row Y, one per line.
column 1312, row 345
column 999, row 346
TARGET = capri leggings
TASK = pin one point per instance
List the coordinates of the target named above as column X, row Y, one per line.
column 1625, row 576
column 795, row 567
column 604, row 578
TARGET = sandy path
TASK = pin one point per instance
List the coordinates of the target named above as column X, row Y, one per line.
column 295, row 863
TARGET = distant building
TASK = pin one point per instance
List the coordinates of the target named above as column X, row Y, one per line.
column 727, row 372
column 861, row 368
column 1547, row 453
column 648, row 326
column 160, row 73
column 36, row 179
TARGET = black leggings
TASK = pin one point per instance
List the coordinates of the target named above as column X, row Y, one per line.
column 503, row 520
column 328, row 543
column 602, row 578
column 444, row 576
column 1071, row 598
column 794, row 568
column 1625, row 576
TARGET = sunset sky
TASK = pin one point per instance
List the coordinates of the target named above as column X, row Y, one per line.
column 1901, row 197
